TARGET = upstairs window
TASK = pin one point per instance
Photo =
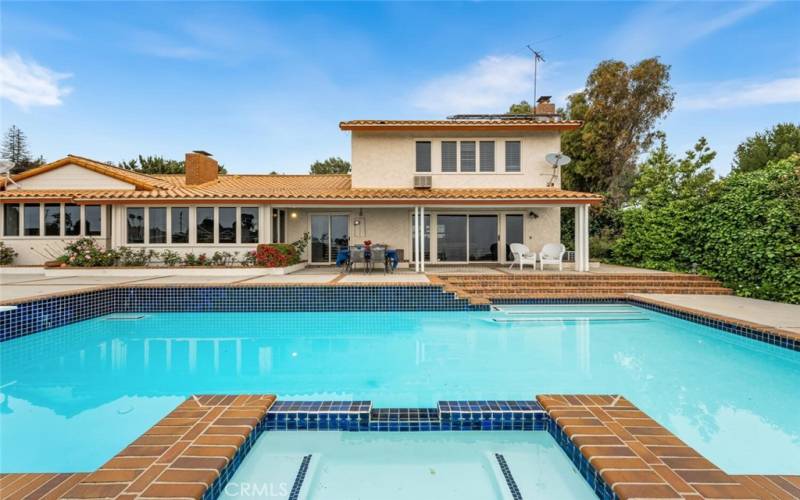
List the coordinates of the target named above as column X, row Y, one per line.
column 449, row 156
column 423, row 156
column 467, row 156
column 513, row 157
column 487, row 156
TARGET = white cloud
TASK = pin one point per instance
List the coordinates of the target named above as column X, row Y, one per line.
column 663, row 27
column 27, row 84
column 490, row 85
column 737, row 94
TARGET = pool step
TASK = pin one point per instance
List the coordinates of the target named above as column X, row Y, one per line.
column 448, row 415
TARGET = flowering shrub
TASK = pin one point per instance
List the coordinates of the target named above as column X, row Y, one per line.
column 276, row 255
column 134, row 258
column 192, row 260
column 248, row 259
column 224, row 258
column 7, row 254
column 85, row 253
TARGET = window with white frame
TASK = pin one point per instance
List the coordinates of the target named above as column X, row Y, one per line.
column 423, row 153
column 487, row 156
column 157, row 225
column 513, row 156
column 205, row 224
column 449, row 156
column 134, row 217
column 467, row 156
column 248, row 221
column 179, row 218
column 51, row 220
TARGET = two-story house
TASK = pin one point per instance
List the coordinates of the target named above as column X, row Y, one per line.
column 457, row 191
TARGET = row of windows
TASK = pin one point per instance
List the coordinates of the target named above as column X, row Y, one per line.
column 51, row 219
column 468, row 156
column 170, row 225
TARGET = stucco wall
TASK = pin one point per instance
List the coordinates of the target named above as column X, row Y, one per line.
column 73, row 177
column 387, row 159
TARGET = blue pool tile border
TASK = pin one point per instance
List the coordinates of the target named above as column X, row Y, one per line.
column 43, row 314
column 360, row 416
column 584, row 467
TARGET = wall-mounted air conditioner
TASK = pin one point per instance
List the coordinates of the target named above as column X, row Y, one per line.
column 423, row 181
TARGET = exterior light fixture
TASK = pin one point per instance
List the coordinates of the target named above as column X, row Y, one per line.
column 293, row 215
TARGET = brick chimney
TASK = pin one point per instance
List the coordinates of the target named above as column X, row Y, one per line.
column 544, row 106
column 200, row 168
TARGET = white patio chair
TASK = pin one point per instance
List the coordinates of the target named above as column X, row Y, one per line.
column 522, row 255
column 552, row 253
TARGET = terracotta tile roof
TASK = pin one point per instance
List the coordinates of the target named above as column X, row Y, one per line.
column 141, row 181
column 333, row 188
column 305, row 188
column 552, row 123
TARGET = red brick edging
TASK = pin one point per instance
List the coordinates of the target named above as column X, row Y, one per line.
column 182, row 455
column 636, row 456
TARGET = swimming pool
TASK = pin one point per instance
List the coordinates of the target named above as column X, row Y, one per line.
column 389, row 466
column 87, row 389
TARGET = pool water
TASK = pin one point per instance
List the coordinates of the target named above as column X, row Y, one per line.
column 389, row 466
column 72, row 397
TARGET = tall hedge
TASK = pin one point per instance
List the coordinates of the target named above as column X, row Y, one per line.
column 744, row 230
column 750, row 232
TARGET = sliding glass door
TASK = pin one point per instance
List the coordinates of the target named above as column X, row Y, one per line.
column 466, row 238
column 514, row 233
column 329, row 233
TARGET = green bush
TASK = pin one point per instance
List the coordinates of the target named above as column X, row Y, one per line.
column 7, row 254
column 129, row 257
column 743, row 230
column 170, row 258
column 86, row 253
column 750, row 232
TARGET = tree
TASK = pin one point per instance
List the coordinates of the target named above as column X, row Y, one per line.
column 15, row 149
column 661, row 226
column 620, row 107
column 157, row 165
column 774, row 144
column 521, row 108
column 333, row 165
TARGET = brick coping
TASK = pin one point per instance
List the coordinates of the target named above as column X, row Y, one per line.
column 194, row 450
column 190, row 453
column 625, row 454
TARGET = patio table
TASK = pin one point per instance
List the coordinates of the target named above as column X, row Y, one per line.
column 343, row 255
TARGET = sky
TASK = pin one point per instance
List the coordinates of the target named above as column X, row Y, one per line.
column 263, row 86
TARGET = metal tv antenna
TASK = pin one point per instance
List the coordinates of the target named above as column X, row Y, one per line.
column 556, row 160
column 5, row 170
column 537, row 56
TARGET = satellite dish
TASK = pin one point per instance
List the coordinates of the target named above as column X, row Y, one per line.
column 5, row 170
column 557, row 159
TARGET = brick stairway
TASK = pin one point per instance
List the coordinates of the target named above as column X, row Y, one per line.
column 527, row 286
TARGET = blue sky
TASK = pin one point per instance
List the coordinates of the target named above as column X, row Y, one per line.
column 263, row 86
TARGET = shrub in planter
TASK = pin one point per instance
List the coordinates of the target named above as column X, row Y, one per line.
column 170, row 258
column 193, row 260
column 276, row 255
column 85, row 253
column 224, row 258
column 248, row 259
column 7, row 254
column 135, row 258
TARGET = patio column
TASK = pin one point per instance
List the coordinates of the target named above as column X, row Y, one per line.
column 421, row 238
column 416, row 239
column 582, row 238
